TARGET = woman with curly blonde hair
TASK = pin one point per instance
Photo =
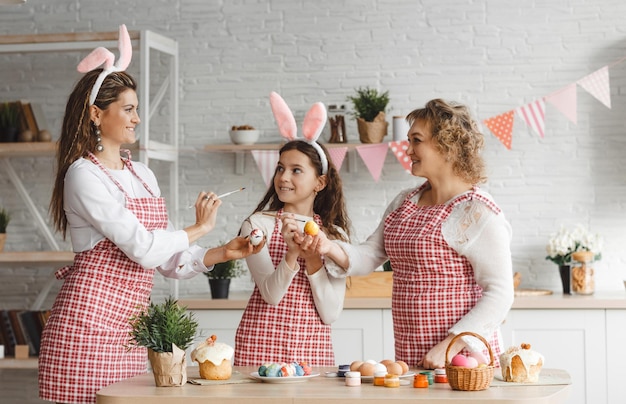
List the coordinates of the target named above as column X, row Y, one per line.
column 447, row 242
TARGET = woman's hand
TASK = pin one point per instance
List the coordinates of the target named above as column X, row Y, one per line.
column 240, row 247
column 207, row 205
column 436, row 357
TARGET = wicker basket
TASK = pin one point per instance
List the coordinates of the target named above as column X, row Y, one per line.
column 467, row 379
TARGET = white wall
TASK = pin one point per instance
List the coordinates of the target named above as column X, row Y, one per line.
column 492, row 55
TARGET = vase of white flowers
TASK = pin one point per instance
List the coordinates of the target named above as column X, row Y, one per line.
column 567, row 242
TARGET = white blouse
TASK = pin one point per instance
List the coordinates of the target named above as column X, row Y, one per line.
column 473, row 231
column 95, row 209
column 273, row 282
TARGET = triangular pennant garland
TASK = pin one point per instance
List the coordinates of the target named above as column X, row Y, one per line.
column 266, row 161
column 399, row 150
column 597, row 84
column 565, row 101
column 374, row 158
column 534, row 115
column 337, row 155
column 502, row 127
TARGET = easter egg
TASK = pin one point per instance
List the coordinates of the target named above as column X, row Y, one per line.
column 459, row 360
column 311, row 228
column 405, row 367
column 480, row 358
column 380, row 367
column 471, row 362
column 394, row 368
column 354, row 366
column 256, row 236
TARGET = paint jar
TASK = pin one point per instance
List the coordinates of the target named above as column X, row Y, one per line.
column 441, row 376
column 353, row 379
column 420, row 381
column 342, row 369
column 379, row 378
column 430, row 375
column 392, row 380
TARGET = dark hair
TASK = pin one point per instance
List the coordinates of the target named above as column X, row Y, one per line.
column 329, row 202
column 78, row 132
column 456, row 136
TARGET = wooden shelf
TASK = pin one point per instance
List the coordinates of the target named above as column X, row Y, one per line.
column 12, row 363
column 28, row 149
column 42, row 258
column 229, row 147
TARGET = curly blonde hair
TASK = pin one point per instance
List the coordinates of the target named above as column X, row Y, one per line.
column 456, row 136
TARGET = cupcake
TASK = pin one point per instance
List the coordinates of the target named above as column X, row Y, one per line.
column 214, row 359
column 521, row 364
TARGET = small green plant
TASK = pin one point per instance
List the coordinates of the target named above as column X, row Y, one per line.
column 162, row 325
column 368, row 103
column 9, row 115
column 226, row 270
column 5, row 218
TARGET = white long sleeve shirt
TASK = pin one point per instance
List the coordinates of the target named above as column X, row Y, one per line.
column 95, row 209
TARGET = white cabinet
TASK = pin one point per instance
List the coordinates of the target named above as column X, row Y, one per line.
column 569, row 339
column 616, row 354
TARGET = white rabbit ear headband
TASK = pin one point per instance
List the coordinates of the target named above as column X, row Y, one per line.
column 102, row 56
column 312, row 126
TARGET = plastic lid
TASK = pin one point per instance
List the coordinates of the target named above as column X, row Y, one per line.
column 380, row 374
column 353, row 374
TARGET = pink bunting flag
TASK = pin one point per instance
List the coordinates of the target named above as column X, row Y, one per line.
column 597, row 84
column 502, row 127
column 373, row 155
column 399, row 149
column 534, row 115
column 337, row 155
column 266, row 161
column 565, row 101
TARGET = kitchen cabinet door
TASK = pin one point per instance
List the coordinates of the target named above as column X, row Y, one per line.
column 358, row 335
column 222, row 323
column 616, row 354
column 573, row 340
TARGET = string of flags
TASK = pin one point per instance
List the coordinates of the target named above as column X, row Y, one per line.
column 373, row 156
column 564, row 99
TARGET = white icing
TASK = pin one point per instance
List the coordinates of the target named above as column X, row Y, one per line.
column 215, row 354
column 529, row 358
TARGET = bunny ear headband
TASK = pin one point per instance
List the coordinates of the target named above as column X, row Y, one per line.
column 312, row 126
column 102, row 56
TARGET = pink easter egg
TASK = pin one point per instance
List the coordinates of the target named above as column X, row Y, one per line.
column 480, row 358
column 459, row 360
column 471, row 362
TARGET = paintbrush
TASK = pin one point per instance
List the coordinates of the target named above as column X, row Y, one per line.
column 222, row 195
column 275, row 215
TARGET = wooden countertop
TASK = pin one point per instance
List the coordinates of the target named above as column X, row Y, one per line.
column 599, row 300
column 141, row 389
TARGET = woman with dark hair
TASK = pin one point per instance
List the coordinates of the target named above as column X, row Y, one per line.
column 120, row 233
column 447, row 241
column 288, row 317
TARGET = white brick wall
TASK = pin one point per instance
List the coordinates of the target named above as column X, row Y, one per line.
column 493, row 56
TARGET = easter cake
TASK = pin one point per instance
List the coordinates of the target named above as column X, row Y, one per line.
column 521, row 364
column 213, row 359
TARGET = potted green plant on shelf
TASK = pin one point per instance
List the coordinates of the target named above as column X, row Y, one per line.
column 9, row 122
column 5, row 218
column 369, row 111
column 220, row 276
column 166, row 330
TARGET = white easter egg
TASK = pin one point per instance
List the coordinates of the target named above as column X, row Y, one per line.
column 256, row 236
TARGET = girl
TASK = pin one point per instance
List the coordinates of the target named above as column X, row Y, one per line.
column 294, row 300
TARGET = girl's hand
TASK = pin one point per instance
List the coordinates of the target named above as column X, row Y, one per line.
column 290, row 231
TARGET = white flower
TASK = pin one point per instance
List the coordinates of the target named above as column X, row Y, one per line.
column 562, row 244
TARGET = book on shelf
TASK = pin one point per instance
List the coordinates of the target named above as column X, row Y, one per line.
column 27, row 112
column 40, row 117
column 22, row 327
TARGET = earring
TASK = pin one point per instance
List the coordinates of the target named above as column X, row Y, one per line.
column 99, row 146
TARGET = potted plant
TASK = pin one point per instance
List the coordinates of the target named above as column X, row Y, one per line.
column 5, row 218
column 166, row 330
column 9, row 122
column 220, row 276
column 369, row 111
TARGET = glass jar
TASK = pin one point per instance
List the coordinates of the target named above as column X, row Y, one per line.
column 353, row 379
column 582, row 273
column 392, row 380
column 379, row 378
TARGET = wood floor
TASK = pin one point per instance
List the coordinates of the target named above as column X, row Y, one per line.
column 19, row 386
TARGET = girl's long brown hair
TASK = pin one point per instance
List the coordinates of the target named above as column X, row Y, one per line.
column 78, row 134
column 329, row 202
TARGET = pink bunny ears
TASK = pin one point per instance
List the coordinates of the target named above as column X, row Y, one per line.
column 102, row 56
column 312, row 126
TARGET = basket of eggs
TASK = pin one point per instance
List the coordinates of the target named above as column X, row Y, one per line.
column 465, row 372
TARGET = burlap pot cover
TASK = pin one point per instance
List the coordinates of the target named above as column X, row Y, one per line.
column 169, row 368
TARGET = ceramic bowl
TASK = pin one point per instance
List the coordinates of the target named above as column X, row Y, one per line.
column 244, row 136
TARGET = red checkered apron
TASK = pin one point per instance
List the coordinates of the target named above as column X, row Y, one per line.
column 433, row 286
column 290, row 331
column 82, row 345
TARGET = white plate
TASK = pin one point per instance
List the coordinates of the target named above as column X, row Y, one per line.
column 288, row 379
column 371, row 378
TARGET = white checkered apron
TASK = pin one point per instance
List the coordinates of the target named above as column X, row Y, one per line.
column 290, row 331
column 433, row 286
column 82, row 345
